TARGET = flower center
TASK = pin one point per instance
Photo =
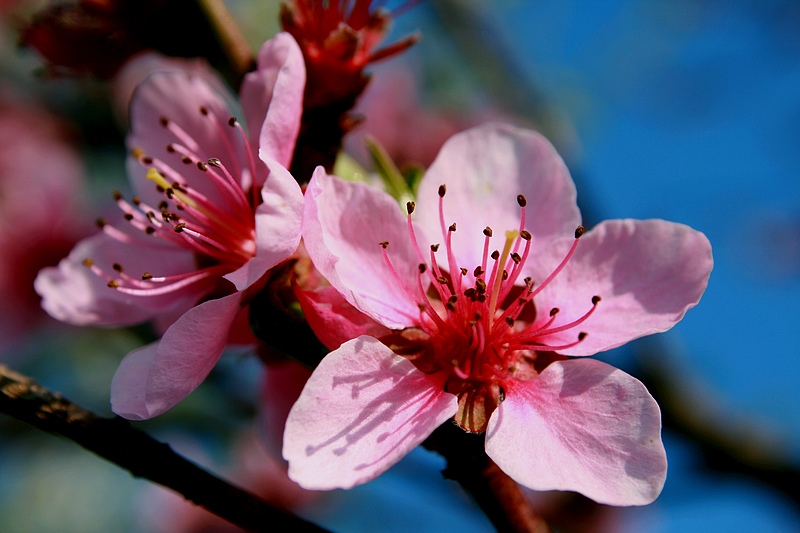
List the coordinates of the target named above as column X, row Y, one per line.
column 219, row 229
column 481, row 325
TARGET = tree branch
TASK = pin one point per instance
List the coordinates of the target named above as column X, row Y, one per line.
column 499, row 496
column 116, row 440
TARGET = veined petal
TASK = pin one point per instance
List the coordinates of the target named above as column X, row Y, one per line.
column 648, row 274
column 278, row 221
column 343, row 226
column 272, row 97
column 333, row 319
column 153, row 379
column 361, row 411
column 484, row 169
column 72, row 293
column 178, row 97
column 584, row 426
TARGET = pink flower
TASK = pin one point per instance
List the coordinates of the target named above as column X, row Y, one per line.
column 39, row 173
column 215, row 209
column 477, row 326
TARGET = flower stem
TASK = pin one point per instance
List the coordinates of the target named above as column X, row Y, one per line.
column 500, row 497
column 116, row 440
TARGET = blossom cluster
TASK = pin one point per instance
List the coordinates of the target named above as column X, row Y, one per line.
column 474, row 304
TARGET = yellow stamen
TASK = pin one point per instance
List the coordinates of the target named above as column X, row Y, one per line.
column 155, row 176
column 498, row 276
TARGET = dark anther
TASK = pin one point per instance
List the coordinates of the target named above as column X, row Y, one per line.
column 147, row 160
column 509, row 321
column 203, row 110
column 478, row 315
column 478, row 271
column 470, row 293
column 582, row 335
column 150, row 230
column 146, row 276
column 159, row 188
column 505, row 275
column 442, row 280
column 202, row 166
column 136, row 200
column 502, row 395
column 595, row 300
column 384, row 244
column 442, row 190
column 214, row 162
column 113, row 284
column 554, row 311
column 178, row 187
column 232, row 122
column 162, row 205
column 480, row 285
column 434, row 247
column 528, row 280
column 186, row 160
column 525, row 234
column 463, row 271
column 422, row 268
column 179, row 227
column 128, row 216
column 579, row 231
column 117, row 196
column 453, row 299
column 163, row 120
column 87, row 262
column 170, row 193
column 100, row 222
column 170, row 148
column 495, row 255
column 516, row 257
column 410, row 207
column 522, row 201
column 117, row 267
column 422, row 307
column 452, row 227
column 487, row 231
column 481, row 298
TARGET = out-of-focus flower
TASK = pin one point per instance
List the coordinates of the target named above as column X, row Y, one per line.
column 97, row 36
column 479, row 331
column 40, row 208
column 214, row 210
column 410, row 130
column 339, row 39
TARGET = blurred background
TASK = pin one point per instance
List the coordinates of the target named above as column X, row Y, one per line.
column 686, row 110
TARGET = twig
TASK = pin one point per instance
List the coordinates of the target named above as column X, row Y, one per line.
column 500, row 497
column 116, row 440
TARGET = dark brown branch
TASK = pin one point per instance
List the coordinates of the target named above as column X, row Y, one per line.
column 116, row 440
column 726, row 444
column 500, row 497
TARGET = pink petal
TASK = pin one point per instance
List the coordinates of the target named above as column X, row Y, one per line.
column 153, row 379
column 484, row 169
column 282, row 383
column 584, row 426
column 278, row 221
column 648, row 274
column 272, row 97
column 179, row 96
column 72, row 293
column 333, row 319
column 343, row 226
column 361, row 411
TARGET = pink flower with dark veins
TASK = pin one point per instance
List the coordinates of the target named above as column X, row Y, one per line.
column 214, row 210
column 475, row 299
